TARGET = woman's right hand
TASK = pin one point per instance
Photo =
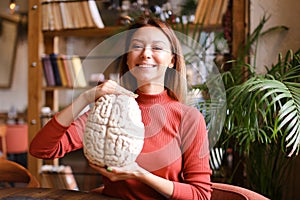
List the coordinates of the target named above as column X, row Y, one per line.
column 107, row 87
column 67, row 115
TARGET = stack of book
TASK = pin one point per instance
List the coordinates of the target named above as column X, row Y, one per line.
column 67, row 14
column 210, row 12
column 63, row 70
column 59, row 177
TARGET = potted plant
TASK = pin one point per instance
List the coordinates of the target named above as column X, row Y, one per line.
column 262, row 121
column 263, row 117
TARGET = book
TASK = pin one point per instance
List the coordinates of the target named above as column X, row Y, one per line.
column 224, row 8
column 80, row 18
column 215, row 12
column 80, row 80
column 66, row 68
column 48, row 71
column 69, row 65
column 62, row 72
column 59, row 177
column 65, row 15
column 53, row 59
column 57, row 17
column 73, row 10
column 45, row 18
column 208, row 11
column 95, row 14
column 200, row 11
column 50, row 20
column 87, row 14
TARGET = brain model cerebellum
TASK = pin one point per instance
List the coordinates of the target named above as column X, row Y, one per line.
column 114, row 133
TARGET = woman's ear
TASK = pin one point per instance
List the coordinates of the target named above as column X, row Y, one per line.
column 171, row 65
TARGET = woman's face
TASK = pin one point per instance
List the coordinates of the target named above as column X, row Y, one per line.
column 149, row 55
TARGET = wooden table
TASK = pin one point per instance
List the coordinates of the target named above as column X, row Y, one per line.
column 48, row 194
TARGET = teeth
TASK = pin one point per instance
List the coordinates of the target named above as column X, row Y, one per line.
column 146, row 65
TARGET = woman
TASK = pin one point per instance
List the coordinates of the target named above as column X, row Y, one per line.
column 174, row 162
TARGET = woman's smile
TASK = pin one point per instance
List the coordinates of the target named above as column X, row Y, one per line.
column 146, row 65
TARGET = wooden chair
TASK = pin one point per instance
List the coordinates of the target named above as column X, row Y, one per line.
column 3, row 141
column 222, row 191
column 12, row 172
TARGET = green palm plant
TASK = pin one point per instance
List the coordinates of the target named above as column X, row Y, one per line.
column 263, row 110
column 270, row 103
column 262, row 121
column 263, row 118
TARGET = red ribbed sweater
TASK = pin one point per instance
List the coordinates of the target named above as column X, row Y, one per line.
column 175, row 148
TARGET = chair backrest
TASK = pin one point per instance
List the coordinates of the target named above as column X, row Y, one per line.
column 3, row 141
column 12, row 172
column 222, row 191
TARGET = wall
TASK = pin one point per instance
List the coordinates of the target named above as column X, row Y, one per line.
column 281, row 13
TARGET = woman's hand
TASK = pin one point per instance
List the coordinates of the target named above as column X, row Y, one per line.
column 67, row 115
column 107, row 87
column 132, row 171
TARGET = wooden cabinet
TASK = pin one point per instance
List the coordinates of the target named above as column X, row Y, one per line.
column 40, row 42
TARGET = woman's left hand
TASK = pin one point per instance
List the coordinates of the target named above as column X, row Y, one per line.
column 132, row 171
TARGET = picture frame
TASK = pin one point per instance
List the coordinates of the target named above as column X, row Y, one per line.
column 8, row 40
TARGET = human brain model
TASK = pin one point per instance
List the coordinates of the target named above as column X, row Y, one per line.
column 114, row 133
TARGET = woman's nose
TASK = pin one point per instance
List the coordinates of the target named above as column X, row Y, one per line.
column 146, row 53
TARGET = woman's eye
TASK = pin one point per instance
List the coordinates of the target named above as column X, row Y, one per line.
column 136, row 46
column 157, row 48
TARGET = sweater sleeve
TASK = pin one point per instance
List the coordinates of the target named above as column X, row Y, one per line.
column 55, row 140
column 196, row 171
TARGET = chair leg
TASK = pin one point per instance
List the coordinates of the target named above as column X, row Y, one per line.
column 3, row 141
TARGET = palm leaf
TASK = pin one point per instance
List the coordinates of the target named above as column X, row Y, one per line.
column 262, row 98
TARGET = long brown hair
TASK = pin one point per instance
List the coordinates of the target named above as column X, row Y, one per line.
column 175, row 78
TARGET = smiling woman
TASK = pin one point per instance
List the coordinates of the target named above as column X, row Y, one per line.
column 174, row 160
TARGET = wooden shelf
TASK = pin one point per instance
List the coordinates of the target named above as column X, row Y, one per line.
column 86, row 32
column 52, row 88
column 112, row 30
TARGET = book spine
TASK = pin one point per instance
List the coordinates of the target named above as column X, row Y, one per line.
column 87, row 14
column 80, row 80
column 62, row 72
column 200, row 11
column 68, row 60
column 95, row 14
column 48, row 70
column 224, row 8
column 53, row 59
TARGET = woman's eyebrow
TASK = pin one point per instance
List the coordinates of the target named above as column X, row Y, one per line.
column 155, row 41
column 136, row 40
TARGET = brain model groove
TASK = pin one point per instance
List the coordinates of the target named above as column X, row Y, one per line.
column 114, row 133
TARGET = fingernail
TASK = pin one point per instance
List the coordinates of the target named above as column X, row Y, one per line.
column 135, row 95
column 109, row 169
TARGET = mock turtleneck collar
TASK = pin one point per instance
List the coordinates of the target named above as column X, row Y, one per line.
column 150, row 99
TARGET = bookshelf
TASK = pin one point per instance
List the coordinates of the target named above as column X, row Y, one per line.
column 43, row 42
